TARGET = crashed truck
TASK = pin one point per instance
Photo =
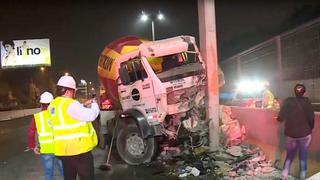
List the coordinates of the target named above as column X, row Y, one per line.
column 158, row 90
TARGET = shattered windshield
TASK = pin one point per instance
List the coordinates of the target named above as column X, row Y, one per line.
column 176, row 60
column 180, row 65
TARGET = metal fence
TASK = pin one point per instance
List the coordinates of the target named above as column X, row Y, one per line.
column 287, row 59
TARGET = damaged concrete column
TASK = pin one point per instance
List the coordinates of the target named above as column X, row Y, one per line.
column 208, row 48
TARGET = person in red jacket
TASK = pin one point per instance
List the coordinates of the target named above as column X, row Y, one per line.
column 41, row 125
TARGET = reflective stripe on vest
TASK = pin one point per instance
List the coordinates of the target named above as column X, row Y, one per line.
column 44, row 130
column 71, row 136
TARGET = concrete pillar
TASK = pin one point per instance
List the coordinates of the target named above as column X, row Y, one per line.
column 208, row 48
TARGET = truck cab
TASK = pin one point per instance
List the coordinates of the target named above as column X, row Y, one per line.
column 157, row 100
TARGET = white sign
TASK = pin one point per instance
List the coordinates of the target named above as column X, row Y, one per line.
column 30, row 52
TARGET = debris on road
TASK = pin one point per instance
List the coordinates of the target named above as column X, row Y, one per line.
column 235, row 151
column 235, row 159
column 189, row 171
column 233, row 132
column 247, row 162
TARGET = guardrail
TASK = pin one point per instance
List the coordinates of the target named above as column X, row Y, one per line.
column 8, row 115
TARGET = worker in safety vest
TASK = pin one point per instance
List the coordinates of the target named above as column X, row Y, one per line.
column 74, row 135
column 41, row 125
column 268, row 97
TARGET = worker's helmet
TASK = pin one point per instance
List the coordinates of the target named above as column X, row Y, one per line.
column 299, row 90
column 67, row 81
column 46, row 98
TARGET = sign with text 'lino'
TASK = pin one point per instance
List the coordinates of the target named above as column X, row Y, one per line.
column 22, row 53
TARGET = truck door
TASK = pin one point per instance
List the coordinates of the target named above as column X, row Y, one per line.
column 137, row 92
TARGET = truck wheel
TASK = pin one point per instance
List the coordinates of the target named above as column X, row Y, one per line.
column 132, row 148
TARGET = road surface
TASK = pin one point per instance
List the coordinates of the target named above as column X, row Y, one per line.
column 18, row 163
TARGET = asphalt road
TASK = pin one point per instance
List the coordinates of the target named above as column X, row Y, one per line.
column 18, row 163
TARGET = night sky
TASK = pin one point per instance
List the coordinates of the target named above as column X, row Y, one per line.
column 79, row 30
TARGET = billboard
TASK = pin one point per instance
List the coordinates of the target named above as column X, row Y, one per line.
column 21, row 53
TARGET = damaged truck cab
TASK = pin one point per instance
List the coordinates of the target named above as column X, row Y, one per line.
column 161, row 90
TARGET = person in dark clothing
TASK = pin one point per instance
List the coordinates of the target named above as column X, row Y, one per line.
column 298, row 115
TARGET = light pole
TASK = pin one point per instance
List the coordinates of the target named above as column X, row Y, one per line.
column 144, row 17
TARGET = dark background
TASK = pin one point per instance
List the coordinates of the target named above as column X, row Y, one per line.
column 79, row 30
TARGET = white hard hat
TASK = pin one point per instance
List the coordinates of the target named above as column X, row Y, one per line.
column 67, row 81
column 46, row 98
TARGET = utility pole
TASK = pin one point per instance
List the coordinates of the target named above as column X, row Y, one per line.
column 208, row 48
column 144, row 17
column 152, row 30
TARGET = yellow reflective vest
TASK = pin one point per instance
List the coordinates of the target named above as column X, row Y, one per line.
column 71, row 136
column 44, row 130
column 268, row 99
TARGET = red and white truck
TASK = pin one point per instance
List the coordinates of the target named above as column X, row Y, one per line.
column 159, row 89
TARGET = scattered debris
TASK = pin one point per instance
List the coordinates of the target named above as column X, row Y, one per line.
column 189, row 171
column 234, row 160
column 233, row 132
column 201, row 150
column 235, row 151
column 237, row 162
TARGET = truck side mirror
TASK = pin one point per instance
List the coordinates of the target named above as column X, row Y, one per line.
column 124, row 75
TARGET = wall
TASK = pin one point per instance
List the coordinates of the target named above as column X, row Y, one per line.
column 263, row 130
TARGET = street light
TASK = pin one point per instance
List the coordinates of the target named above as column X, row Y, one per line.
column 144, row 17
column 66, row 74
column 160, row 16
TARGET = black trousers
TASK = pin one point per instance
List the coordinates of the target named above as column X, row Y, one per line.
column 81, row 165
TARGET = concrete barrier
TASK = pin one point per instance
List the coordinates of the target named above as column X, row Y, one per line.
column 263, row 130
column 8, row 115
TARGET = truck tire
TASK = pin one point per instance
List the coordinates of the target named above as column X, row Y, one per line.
column 132, row 148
